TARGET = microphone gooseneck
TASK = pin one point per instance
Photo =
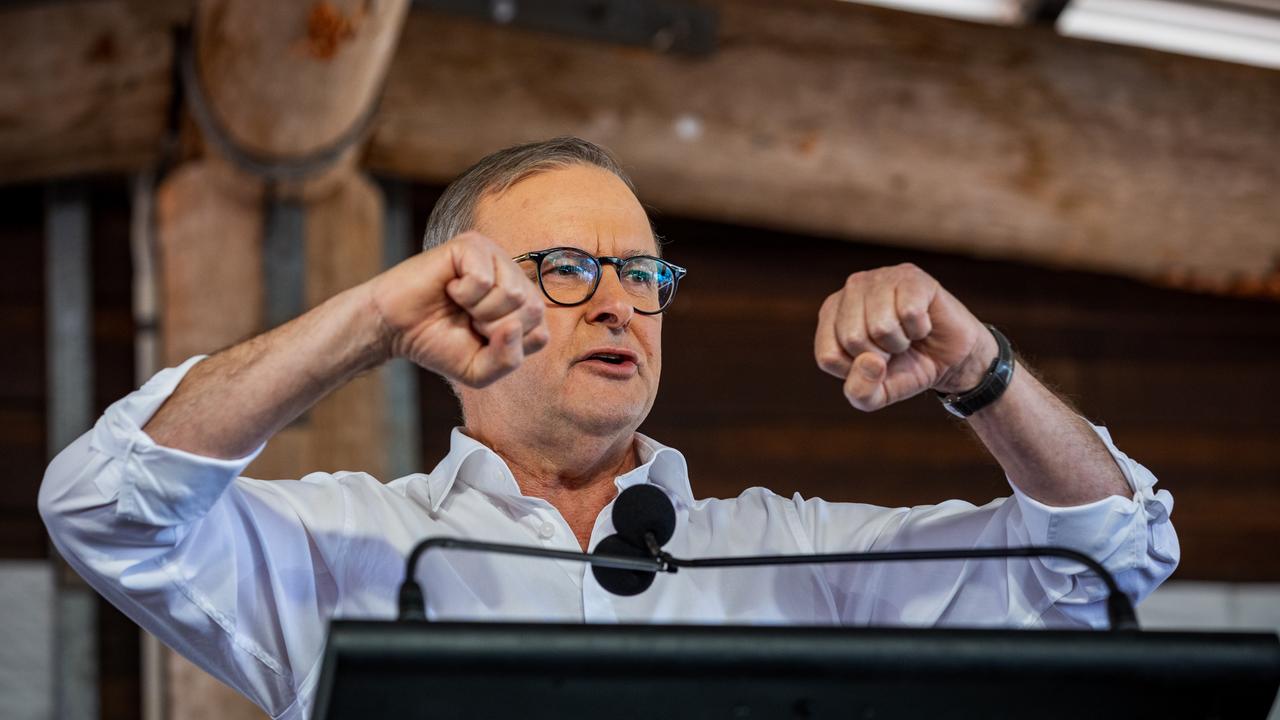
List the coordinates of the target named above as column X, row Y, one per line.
column 412, row 601
column 627, row 562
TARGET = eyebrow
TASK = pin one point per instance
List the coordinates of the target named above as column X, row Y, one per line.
column 626, row 254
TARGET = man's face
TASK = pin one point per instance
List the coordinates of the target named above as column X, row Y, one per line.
column 558, row 389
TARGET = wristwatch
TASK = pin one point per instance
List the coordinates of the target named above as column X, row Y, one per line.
column 993, row 384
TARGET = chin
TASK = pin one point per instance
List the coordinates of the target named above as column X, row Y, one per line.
column 612, row 421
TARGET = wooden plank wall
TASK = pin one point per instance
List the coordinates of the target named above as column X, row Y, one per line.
column 22, row 374
column 22, row 327
column 22, row 392
column 1183, row 381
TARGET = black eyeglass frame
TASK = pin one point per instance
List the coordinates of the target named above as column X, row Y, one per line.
column 537, row 255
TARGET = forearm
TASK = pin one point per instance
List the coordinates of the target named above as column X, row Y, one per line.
column 235, row 400
column 892, row 333
column 1047, row 450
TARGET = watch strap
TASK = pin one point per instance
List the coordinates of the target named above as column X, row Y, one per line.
column 993, row 384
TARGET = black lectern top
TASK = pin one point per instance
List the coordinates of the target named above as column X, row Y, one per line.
column 662, row 672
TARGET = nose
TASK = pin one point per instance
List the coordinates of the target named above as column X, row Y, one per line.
column 610, row 305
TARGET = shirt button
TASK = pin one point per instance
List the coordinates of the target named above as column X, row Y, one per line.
column 546, row 530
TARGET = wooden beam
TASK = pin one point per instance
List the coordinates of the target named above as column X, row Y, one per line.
column 290, row 78
column 839, row 120
column 279, row 90
column 85, row 87
column 815, row 116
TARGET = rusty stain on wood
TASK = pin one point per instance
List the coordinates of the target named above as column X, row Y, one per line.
column 328, row 29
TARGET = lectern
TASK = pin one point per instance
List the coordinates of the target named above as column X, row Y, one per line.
column 444, row 670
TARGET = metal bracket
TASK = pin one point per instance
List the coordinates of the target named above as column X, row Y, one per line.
column 665, row 26
column 284, row 265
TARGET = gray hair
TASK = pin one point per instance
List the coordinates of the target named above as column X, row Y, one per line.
column 454, row 212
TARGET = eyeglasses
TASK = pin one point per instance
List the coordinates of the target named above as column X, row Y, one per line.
column 569, row 276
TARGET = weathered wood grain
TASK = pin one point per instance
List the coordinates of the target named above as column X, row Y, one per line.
column 288, row 78
column 838, row 120
column 85, row 86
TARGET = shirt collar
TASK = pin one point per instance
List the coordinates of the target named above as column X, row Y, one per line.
column 474, row 464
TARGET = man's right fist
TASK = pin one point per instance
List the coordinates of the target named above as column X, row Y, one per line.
column 462, row 309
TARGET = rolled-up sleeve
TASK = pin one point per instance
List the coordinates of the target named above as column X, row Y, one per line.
column 1133, row 537
column 153, row 484
column 180, row 542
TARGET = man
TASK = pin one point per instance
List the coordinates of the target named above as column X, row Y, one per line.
column 539, row 297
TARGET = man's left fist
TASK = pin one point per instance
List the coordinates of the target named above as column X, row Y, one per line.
column 894, row 332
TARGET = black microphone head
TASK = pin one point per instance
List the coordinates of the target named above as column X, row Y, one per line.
column 641, row 509
column 616, row 580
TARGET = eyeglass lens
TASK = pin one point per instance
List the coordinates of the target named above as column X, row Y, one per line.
column 570, row 277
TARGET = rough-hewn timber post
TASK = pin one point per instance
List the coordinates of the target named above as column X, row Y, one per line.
column 275, row 218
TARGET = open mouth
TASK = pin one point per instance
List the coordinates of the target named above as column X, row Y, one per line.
column 610, row 358
column 612, row 362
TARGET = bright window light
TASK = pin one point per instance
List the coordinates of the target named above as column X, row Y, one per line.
column 1241, row 31
column 999, row 12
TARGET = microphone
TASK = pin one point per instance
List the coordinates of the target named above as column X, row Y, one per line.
column 627, row 562
column 643, row 515
column 645, row 520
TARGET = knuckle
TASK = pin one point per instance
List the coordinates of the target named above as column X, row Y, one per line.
column 916, row 319
column 914, row 313
column 829, row 360
column 513, row 294
column 851, row 337
column 881, row 329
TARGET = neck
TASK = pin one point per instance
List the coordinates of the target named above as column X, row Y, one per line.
column 575, row 475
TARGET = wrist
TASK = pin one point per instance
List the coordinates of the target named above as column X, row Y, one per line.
column 990, row 388
column 370, row 340
column 967, row 375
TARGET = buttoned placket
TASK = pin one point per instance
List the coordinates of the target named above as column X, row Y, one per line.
column 597, row 603
column 550, row 530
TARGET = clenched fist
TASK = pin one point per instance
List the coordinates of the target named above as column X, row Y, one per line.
column 894, row 332
column 463, row 310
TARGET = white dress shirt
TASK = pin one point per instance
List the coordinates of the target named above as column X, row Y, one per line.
column 241, row 575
